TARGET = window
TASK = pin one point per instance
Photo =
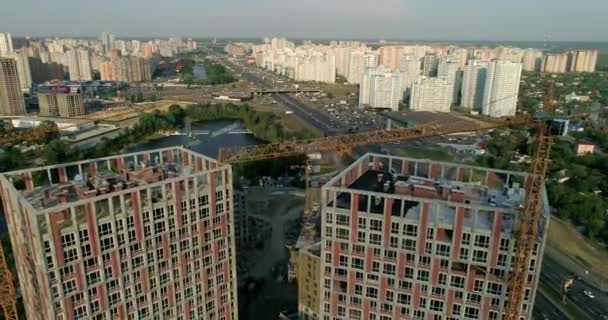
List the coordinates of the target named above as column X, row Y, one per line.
column 424, row 261
column 504, row 244
column 342, row 234
column 389, row 269
column 438, row 291
column 430, row 232
column 362, row 223
column 408, row 244
column 71, row 255
column 68, row 240
column 357, row 263
column 456, row 309
column 423, row 275
column 457, row 282
column 69, row 287
column 470, row 312
column 375, row 239
column 372, row 292
column 84, row 235
column 466, row 239
column 443, row 279
column 395, row 228
column 478, row 286
column 464, row 254
column 494, row 288
column 403, row 298
column 376, row 225
column 482, row 241
column 80, row 312
column 442, row 250
column 342, row 220
column 410, row 230
column 480, row 256
column 409, row 273
column 105, row 229
column 437, row 305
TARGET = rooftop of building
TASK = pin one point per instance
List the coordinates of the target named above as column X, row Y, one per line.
column 46, row 188
column 410, row 182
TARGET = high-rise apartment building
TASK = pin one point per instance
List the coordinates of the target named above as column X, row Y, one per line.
column 126, row 69
column 409, row 68
column 532, row 59
column 47, row 102
column 23, row 69
column 408, row 238
column 390, row 56
column 11, row 96
column 142, row 235
column 79, row 65
column 70, row 105
column 501, row 89
column 582, row 60
column 430, row 63
column 385, row 89
column 555, row 63
column 107, row 40
column 430, row 94
column 473, row 84
column 449, row 69
column 6, row 43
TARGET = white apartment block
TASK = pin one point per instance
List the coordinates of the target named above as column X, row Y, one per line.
column 410, row 71
column 430, row 94
column 449, row 69
column 79, row 65
column 473, row 84
column 23, row 69
column 501, row 89
column 6, row 43
column 532, row 59
column 385, row 91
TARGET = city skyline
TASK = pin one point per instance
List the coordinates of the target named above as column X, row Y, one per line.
column 314, row 19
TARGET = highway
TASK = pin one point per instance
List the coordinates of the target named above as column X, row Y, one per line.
column 310, row 115
column 545, row 309
column 552, row 273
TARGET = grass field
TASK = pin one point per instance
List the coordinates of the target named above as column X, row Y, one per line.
column 565, row 239
column 602, row 62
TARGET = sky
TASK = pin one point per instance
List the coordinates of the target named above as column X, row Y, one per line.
column 503, row 20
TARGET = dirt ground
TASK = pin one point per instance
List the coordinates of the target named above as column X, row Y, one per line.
column 278, row 207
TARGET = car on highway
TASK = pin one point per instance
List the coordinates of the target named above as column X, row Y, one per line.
column 589, row 294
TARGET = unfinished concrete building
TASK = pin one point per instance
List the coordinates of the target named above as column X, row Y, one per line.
column 417, row 239
column 145, row 235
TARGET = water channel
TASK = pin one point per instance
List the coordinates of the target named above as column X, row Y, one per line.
column 199, row 72
column 204, row 144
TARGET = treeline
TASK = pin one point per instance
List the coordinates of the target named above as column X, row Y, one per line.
column 577, row 186
column 266, row 127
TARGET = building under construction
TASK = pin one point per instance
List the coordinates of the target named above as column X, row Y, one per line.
column 417, row 239
column 134, row 236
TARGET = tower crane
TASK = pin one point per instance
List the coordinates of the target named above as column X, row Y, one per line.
column 8, row 297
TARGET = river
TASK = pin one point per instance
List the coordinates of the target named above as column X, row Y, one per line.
column 205, row 144
column 199, row 72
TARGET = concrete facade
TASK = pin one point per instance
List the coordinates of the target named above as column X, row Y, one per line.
column 11, row 97
column 417, row 239
column 135, row 236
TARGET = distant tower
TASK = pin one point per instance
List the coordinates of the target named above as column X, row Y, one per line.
column 11, row 97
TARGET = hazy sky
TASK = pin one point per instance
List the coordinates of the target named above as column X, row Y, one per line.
column 578, row 20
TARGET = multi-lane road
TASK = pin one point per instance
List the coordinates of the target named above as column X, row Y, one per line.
column 552, row 273
column 311, row 116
